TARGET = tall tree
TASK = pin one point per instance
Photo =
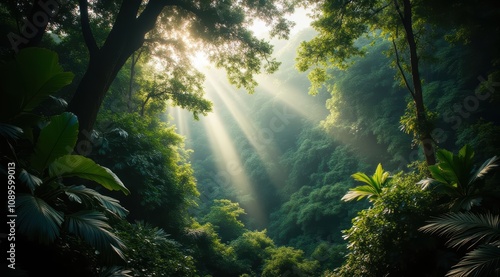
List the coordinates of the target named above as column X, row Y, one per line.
column 341, row 23
column 220, row 28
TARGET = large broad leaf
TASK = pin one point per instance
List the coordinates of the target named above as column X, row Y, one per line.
column 82, row 167
column 36, row 219
column 90, row 197
column 92, row 227
column 31, row 77
column 449, row 166
column 56, row 139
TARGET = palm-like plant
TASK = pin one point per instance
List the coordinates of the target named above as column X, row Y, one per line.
column 479, row 232
column 373, row 188
column 46, row 207
column 456, row 177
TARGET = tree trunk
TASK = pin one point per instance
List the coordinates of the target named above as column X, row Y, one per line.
column 126, row 36
column 425, row 134
column 131, row 83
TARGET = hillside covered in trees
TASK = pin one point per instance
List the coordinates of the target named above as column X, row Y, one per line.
column 237, row 138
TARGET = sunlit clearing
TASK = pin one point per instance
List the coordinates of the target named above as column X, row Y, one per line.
column 258, row 137
column 229, row 164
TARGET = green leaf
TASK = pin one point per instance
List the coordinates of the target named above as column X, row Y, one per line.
column 439, row 175
column 31, row 181
column 82, row 167
column 466, row 154
column 36, row 219
column 380, row 177
column 373, row 187
column 483, row 261
column 90, row 197
column 465, row 229
column 10, row 131
column 56, row 139
column 362, row 177
column 359, row 193
column 30, row 78
column 92, row 227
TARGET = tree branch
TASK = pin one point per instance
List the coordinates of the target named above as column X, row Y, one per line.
column 401, row 69
column 147, row 18
column 398, row 10
column 86, row 29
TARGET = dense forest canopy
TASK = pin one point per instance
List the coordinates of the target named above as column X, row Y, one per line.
column 250, row 138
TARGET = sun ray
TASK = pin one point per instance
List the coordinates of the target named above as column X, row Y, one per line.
column 258, row 137
column 299, row 101
column 229, row 164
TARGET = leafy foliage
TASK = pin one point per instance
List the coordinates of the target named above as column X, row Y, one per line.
column 28, row 80
column 212, row 256
column 253, row 248
column 290, row 262
column 385, row 239
column 456, row 177
column 479, row 232
column 153, row 164
column 224, row 216
column 150, row 252
column 374, row 187
column 82, row 167
column 49, row 210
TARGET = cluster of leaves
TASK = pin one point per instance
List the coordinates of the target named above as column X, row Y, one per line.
column 470, row 198
column 224, row 216
column 251, row 253
column 387, row 238
column 312, row 215
column 151, row 253
column 40, row 148
column 152, row 160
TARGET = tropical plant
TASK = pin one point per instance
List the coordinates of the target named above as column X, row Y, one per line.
column 374, row 185
column 50, row 207
column 479, row 232
column 384, row 240
column 456, row 177
column 150, row 252
column 46, row 208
